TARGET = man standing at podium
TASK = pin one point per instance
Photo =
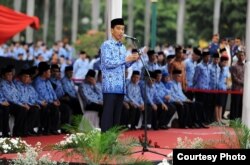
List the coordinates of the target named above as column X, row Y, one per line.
column 114, row 61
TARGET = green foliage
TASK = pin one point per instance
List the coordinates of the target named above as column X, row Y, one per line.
column 198, row 19
column 242, row 132
column 90, row 42
column 95, row 147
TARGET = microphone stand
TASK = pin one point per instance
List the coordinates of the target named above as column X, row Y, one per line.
column 144, row 144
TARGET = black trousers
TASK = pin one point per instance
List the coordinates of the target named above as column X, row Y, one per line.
column 134, row 116
column 75, row 106
column 125, row 116
column 32, row 118
column 112, row 108
column 236, row 106
column 20, row 122
column 65, row 113
column 208, row 104
column 49, row 118
column 196, row 113
column 4, row 120
column 183, row 114
column 190, row 95
column 151, row 117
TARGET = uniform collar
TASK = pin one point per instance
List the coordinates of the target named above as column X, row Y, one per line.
column 117, row 43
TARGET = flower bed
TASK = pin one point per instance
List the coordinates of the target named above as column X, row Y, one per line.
column 12, row 145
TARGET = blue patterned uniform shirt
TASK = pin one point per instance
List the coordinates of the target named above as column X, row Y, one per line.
column 214, row 76
column 45, row 89
column 177, row 91
column 58, row 87
column 134, row 94
column 162, row 91
column 153, row 66
column 69, row 87
column 28, row 93
column 23, row 91
column 33, row 96
column 167, row 84
column 10, row 92
column 190, row 69
column 99, row 85
column 2, row 99
column 224, row 74
column 91, row 93
column 151, row 94
column 113, row 67
column 80, row 68
column 201, row 76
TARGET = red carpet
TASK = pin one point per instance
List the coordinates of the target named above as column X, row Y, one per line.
column 166, row 139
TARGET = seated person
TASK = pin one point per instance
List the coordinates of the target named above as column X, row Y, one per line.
column 91, row 94
column 69, row 89
column 18, row 109
column 192, row 114
column 135, row 99
column 4, row 116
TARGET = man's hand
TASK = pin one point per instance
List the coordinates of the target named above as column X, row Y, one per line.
column 141, row 107
column 154, row 106
column 26, row 106
column 56, row 103
column 44, row 103
column 164, row 107
column 5, row 103
column 132, row 57
column 100, row 102
column 36, row 105
column 179, row 102
column 132, row 105
column 126, row 105
column 167, row 98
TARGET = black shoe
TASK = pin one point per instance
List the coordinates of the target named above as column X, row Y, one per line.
column 46, row 133
column 196, row 125
column 132, row 128
column 54, row 132
column 64, row 131
column 155, row 128
column 143, row 127
column 32, row 133
column 163, row 127
column 203, row 126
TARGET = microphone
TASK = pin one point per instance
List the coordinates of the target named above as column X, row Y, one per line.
column 127, row 36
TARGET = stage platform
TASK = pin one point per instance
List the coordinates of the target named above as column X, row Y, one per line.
column 165, row 139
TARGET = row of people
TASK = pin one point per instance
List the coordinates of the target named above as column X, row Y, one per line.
column 151, row 96
column 43, row 101
column 204, row 71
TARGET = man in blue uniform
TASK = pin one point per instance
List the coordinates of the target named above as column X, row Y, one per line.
column 114, row 61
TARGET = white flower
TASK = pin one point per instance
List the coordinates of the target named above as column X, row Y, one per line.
column 164, row 162
column 5, row 146
column 170, row 155
column 14, row 141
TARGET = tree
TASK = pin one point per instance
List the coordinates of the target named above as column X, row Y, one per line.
column 30, row 12
column 130, row 18
column 58, row 20
column 217, row 4
column 95, row 14
column 181, row 22
column 46, row 19
column 17, row 6
column 74, row 20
